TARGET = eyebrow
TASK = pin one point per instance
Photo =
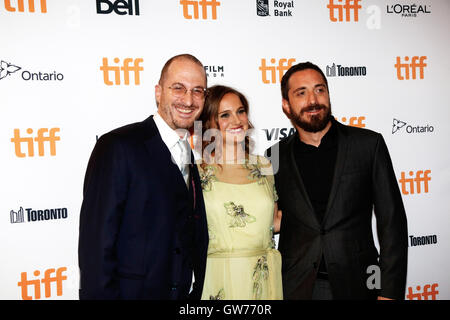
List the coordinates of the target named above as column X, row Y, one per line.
column 230, row 110
column 316, row 86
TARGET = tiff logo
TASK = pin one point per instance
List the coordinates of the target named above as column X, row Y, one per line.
column 204, row 4
column 417, row 62
column 47, row 280
column 354, row 121
column 41, row 138
column 21, row 8
column 126, row 68
column 283, row 65
column 348, row 7
column 429, row 291
column 421, row 179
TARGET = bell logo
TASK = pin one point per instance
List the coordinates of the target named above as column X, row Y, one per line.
column 47, row 280
column 51, row 138
column 429, row 291
column 348, row 7
column 283, row 65
column 120, row 7
column 126, row 68
column 417, row 62
column 421, row 179
column 20, row 6
column 204, row 4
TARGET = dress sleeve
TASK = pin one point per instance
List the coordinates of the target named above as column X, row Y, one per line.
column 267, row 172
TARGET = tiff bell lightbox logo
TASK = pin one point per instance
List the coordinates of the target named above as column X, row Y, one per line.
column 195, row 4
column 43, row 135
column 120, row 7
column 419, row 179
column 417, row 64
column 280, row 8
column 126, row 68
column 269, row 72
column 50, row 276
column 343, row 8
column 19, row 5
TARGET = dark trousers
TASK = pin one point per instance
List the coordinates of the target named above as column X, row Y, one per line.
column 322, row 290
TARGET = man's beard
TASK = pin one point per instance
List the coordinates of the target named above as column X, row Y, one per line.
column 316, row 123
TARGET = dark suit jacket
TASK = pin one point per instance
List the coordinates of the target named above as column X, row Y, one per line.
column 140, row 236
column 363, row 180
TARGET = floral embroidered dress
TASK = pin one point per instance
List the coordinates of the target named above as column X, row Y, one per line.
column 242, row 260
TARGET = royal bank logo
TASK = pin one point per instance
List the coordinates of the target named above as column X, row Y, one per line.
column 398, row 125
column 408, row 10
column 8, row 70
column 265, row 8
column 215, row 71
column 34, row 215
column 338, row 70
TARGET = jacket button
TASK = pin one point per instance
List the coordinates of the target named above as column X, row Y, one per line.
column 177, row 250
column 315, row 265
column 174, row 286
column 322, row 231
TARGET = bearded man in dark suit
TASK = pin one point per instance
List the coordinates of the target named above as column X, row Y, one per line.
column 330, row 179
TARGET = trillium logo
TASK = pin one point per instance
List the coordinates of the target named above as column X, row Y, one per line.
column 7, row 69
column 397, row 125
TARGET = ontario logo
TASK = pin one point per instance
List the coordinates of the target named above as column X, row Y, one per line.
column 398, row 125
column 7, row 69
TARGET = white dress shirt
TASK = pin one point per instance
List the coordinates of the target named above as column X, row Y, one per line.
column 179, row 147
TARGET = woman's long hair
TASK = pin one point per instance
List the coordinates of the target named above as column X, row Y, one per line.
column 209, row 118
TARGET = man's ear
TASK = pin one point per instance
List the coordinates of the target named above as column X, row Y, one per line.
column 158, row 90
column 286, row 108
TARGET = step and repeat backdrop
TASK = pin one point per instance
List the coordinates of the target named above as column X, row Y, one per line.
column 74, row 70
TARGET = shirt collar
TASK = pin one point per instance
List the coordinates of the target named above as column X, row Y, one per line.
column 168, row 135
column 329, row 140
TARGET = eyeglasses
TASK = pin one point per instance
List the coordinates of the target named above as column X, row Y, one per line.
column 180, row 91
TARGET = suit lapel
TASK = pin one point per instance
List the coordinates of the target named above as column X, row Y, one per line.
column 297, row 180
column 339, row 166
column 154, row 142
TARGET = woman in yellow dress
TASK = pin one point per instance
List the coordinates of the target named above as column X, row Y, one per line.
column 240, row 200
